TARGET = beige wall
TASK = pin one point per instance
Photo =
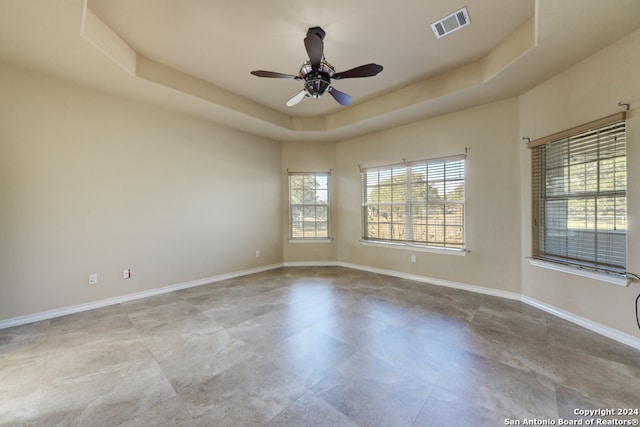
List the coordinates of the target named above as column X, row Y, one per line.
column 585, row 92
column 90, row 183
column 309, row 157
column 490, row 133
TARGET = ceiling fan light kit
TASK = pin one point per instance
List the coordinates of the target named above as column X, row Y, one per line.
column 317, row 80
column 317, row 73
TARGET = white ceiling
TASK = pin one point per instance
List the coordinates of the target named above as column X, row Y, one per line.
column 222, row 41
column 194, row 56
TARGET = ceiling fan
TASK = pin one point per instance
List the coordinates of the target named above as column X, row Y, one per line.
column 317, row 73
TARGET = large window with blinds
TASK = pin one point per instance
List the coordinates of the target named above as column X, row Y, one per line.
column 579, row 192
column 308, row 205
column 417, row 203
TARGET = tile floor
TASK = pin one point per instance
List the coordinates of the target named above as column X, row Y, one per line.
column 311, row 347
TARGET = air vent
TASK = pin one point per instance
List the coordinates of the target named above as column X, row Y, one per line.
column 451, row 23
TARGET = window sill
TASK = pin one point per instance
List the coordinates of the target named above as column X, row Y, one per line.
column 603, row 277
column 323, row 240
column 415, row 248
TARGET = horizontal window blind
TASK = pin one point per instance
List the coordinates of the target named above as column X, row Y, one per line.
column 308, row 205
column 418, row 203
column 580, row 198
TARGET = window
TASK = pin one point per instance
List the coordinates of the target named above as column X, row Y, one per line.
column 308, row 205
column 579, row 193
column 415, row 203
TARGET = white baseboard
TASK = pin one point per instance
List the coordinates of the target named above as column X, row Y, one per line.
column 434, row 281
column 311, row 264
column 571, row 317
column 50, row 314
column 608, row 332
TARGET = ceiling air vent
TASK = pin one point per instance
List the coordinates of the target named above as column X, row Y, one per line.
column 451, row 23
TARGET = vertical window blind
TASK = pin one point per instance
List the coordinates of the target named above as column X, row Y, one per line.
column 417, row 203
column 308, row 205
column 579, row 204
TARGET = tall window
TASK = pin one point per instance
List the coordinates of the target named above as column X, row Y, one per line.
column 308, row 205
column 579, row 192
column 415, row 203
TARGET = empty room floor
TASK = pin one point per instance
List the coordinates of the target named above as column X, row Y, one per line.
column 317, row 346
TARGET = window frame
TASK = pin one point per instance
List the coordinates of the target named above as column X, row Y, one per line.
column 595, row 141
column 293, row 238
column 431, row 179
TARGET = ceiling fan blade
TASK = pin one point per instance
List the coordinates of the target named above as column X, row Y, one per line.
column 341, row 97
column 297, row 98
column 367, row 70
column 262, row 73
column 315, row 49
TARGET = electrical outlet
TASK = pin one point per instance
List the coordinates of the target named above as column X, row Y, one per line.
column 93, row 279
column 413, row 258
column 126, row 273
column 257, row 253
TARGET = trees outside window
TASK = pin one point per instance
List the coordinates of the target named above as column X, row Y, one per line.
column 580, row 197
column 418, row 203
column 308, row 206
